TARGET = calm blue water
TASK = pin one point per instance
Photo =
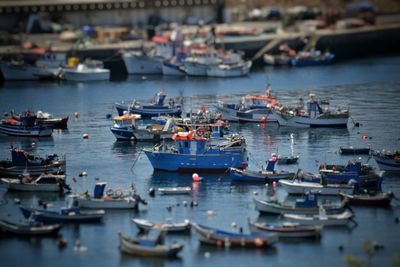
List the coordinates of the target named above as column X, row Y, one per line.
column 369, row 87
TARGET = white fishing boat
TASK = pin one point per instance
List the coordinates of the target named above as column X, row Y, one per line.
column 200, row 60
column 45, row 66
column 341, row 219
column 296, row 186
column 308, row 205
column 84, row 73
column 112, row 199
column 286, row 229
column 147, row 225
column 317, row 114
column 229, row 70
column 175, row 190
column 251, row 108
column 43, row 183
column 139, row 63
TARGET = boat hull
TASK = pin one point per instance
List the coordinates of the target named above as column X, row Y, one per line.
column 146, row 225
column 380, row 200
column 93, row 203
column 35, row 131
column 341, row 219
column 139, row 64
column 299, row 188
column 72, row 75
column 387, row 164
column 206, row 162
column 195, row 69
column 24, row 72
column 148, row 112
column 15, row 185
column 28, row 230
column 34, row 171
column 252, row 115
column 55, row 217
column 129, row 246
column 61, row 123
column 170, row 69
column 225, row 72
column 296, row 231
column 307, row 122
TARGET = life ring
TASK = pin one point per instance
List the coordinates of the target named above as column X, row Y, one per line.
column 109, row 192
column 200, row 132
column 118, row 192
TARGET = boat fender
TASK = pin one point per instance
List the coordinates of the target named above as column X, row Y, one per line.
column 258, row 242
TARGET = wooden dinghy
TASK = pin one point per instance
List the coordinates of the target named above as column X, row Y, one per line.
column 213, row 236
column 147, row 225
column 378, row 200
column 287, row 229
column 149, row 248
column 341, row 219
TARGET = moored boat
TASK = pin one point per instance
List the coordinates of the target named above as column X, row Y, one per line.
column 146, row 225
column 113, row 199
column 29, row 228
column 229, row 70
column 377, row 200
column 193, row 153
column 308, row 205
column 70, row 214
column 340, row 219
column 146, row 247
column 155, row 108
column 22, row 161
column 387, row 161
column 295, row 186
column 286, row 229
column 24, row 126
column 44, row 183
column 269, row 174
column 287, row 160
column 312, row 58
column 354, row 150
column 252, row 108
column 317, row 114
column 84, row 73
column 221, row 238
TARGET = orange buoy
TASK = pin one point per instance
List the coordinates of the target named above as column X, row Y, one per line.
column 195, row 177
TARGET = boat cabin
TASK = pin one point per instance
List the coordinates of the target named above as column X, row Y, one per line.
column 187, row 143
column 99, row 190
column 126, row 120
column 310, row 200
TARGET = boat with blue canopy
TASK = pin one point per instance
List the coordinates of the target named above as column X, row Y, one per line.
column 155, row 108
column 195, row 153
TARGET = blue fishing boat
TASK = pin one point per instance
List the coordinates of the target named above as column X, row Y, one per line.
column 24, row 126
column 353, row 172
column 70, row 214
column 195, row 153
column 155, row 108
column 22, row 161
column 312, row 58
column 269, row 174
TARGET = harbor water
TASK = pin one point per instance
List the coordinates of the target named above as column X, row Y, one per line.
column 370, row 88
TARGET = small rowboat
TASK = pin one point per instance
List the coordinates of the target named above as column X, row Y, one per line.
column 146, row 225
column 150, row 248
column 174, row 190
column 262, row 176
column 213, row 236
column 28, row 229
column 379, row 200
column 46, row 216
column 299, row 188
column 354, row 151
column 44, row 183
column 287, row 229
column 288, row 160
column 341, row 219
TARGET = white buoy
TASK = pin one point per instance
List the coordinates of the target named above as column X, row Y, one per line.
column 76, row 114
column 211, row 213
column 255, row 193
column 85, row 136
column 33, row 144
column 17, row 201
column 234, row 225
column 207, row 254
column 184, row 203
